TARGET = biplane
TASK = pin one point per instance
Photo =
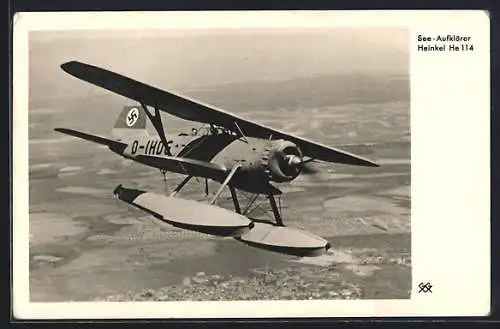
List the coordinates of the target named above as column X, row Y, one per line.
column 235, row 152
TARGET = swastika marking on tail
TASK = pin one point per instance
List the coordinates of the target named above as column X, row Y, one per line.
column 132, row 116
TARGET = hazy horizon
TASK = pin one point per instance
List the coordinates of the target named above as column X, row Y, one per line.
column 184, row 59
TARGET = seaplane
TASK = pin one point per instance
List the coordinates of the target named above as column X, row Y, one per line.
column 237, row 153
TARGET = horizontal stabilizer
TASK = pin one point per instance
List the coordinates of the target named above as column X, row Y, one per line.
column 115, row 145
column 187, row 214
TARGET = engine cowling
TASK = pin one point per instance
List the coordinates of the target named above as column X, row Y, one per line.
column 281, row 160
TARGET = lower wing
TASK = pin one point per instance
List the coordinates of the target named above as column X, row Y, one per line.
column 185, row 166
column 197, row 168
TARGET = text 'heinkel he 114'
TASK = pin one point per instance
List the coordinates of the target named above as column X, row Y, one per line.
column 233, row 151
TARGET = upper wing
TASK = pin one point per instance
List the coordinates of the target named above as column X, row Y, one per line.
column 188, row 109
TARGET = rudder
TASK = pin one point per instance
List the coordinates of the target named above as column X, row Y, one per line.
column 130, row 122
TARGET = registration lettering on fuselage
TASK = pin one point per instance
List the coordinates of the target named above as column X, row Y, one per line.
column 151, row 147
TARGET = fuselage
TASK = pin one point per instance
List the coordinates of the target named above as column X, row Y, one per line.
column 224, row 150
column 255, row 156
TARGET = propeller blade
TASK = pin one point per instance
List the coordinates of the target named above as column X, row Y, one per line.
column 307, row 169
column 309, row 160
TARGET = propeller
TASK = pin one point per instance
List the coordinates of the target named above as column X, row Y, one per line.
column 305, row 166
column 286, row 161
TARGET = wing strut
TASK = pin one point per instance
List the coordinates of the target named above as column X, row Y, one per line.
column 235, row 199
column 241, row 133
column 156, row 121
column 180, row 186
column 276, row 211
column 226, row 181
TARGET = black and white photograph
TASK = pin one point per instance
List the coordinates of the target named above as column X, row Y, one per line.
column 313, row 142
column 221, row 164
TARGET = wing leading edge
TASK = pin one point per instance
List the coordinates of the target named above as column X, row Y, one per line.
column 188, row 109
column 184, row 166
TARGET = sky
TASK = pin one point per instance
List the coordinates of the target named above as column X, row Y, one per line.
column 184, row 59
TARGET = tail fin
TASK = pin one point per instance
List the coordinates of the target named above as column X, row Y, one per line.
column 130, row 123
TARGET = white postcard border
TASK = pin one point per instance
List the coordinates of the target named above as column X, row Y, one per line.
column 450, row 144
